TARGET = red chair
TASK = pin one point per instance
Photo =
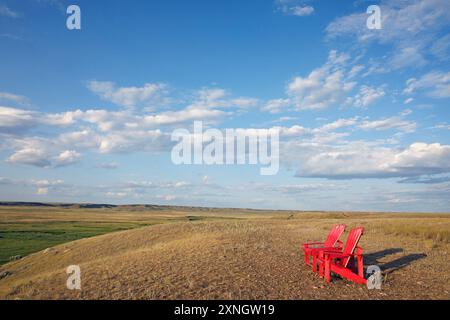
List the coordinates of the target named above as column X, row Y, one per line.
column 343, row 263
column 313, row 248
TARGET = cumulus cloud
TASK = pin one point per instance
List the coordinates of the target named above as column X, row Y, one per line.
column 67, row 157
column 364, row 160
column 293, row 131
column 41, row 157
column 134, row 141
column 30, row 156
column 17, row 119
column 324, row 87
column 128, row 97
column 40, row 152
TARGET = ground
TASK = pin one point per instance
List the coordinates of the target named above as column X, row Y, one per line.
column 225, row 254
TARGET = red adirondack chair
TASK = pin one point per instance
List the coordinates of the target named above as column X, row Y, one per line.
column 343, row 263
column 313, row 248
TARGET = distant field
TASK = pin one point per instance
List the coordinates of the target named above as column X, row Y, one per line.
column 28, row 229
column 201, row 253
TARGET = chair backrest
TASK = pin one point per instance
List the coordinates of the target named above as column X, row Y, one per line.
column 351, row 243
column 334, row 235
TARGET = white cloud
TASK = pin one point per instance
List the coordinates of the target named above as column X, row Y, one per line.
column 340, row 123
column 390, row 123
column 167, row 197
column 302, row 10
column 328, row 132
column 210, row 98
column 134, row 141
column 16, row 118
column 408, row 100
column 285, row 119
column 435, row 83
column 30, row 156
column 42, row 191
column 293, row 131
column 244, row 102
column 67, row 157
column 423, row 158
column 188, row 114
column 365, row 160
column 41, row 152
column 411, row 27
column 367, row 95
column 179, row 184
column 128, row 97
column 276, row 105
column 408, row 56
column 208, row 104
column 61, row 119
column 444, row 126
column 401, row 21
column 117, row 195
column 14, row 98
column 324, row 87
column 80, row 139
column 294, row 7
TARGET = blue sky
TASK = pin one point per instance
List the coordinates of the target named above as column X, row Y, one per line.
column 86, row 115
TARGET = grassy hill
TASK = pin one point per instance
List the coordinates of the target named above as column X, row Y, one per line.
column 223, row 254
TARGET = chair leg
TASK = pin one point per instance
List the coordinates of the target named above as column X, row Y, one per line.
column 327, row 269
column 314, row 263
column 321, row 265
column 360, row 266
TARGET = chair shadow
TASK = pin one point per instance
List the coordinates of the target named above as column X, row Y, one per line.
column 401, row 262
column 372, row 258
column 391, row 266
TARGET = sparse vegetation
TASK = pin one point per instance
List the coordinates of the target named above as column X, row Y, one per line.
column 201, row 253
column 436, row 233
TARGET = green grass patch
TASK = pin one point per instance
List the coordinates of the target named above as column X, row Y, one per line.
column 25, row 238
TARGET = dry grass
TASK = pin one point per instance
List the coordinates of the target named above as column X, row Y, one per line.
column 234, row 255
column 437, row 230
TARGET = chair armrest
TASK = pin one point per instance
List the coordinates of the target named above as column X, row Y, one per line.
column 332, row 254
column 326, row 249
column 308, row 244
column 330, row 249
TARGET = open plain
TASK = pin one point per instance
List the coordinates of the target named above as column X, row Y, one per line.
column 152, row 252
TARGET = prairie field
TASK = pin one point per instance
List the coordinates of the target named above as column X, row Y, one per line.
column 153, row 252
